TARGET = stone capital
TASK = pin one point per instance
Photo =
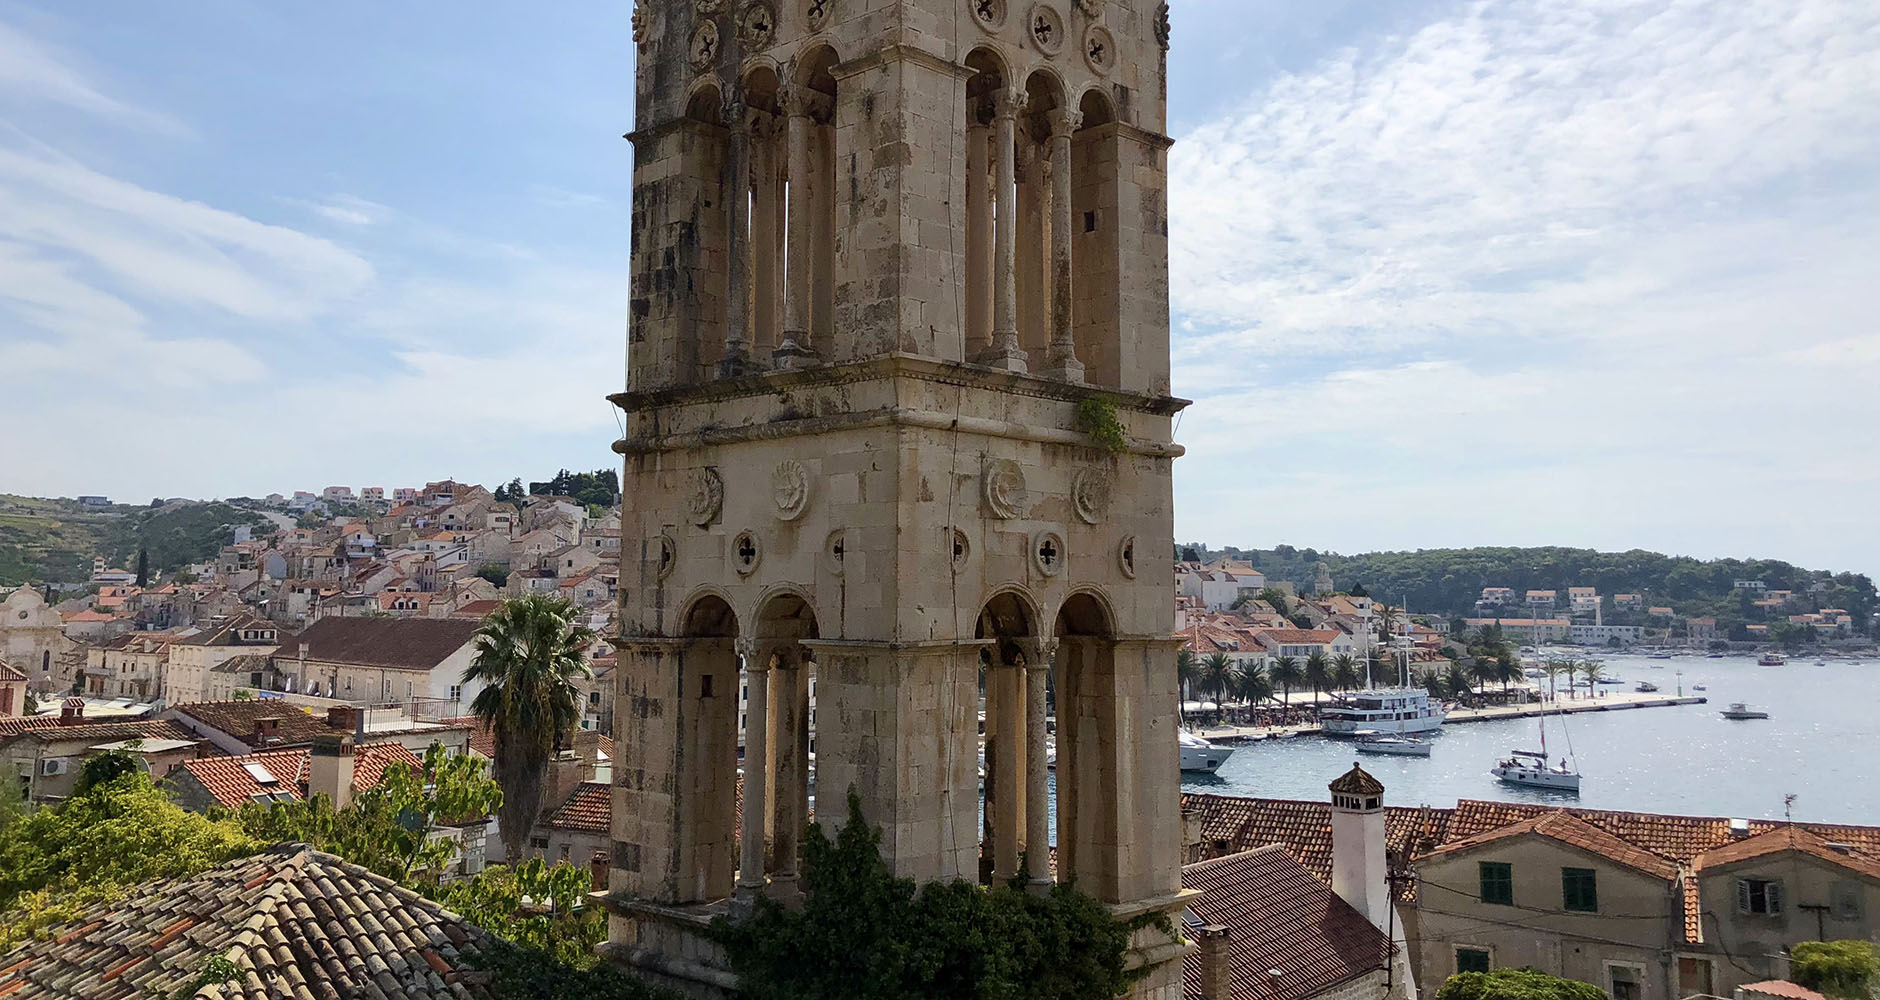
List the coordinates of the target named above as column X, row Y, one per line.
column 1064, row 122
column 1008, row 104
column 1040, row 652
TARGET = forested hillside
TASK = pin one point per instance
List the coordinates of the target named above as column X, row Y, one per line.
column 54, row 540
column 1448, row 581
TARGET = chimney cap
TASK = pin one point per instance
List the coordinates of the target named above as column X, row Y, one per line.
column 1357, row 781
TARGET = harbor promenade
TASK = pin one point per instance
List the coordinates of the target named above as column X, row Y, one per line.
column 1604, row 701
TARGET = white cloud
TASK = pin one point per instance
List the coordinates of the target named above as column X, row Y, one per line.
column 1535, row 243
column 29, row 70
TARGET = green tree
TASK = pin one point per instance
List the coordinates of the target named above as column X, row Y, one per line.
column 113, row 838
column 1456, row 682
column 1187, row 671
column 1217, row 675
column 1277, row 598
column 1484, row 671
column 387, row 828
column 1344, row 670
column 1515, row 984
column 1389, row 617
column 1842, row 969
column 1592, row 670
column 1318, row 673
column 1251, row 683
column 862, row 934
column 534, row 905
column 528, row 653
column 1285, row 673
column 143, row 566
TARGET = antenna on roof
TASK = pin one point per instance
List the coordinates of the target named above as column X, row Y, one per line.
column 1788, row 807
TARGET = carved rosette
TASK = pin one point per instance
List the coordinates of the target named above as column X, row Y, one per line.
column 705, row 496
column 789, row 487
column 702, row 51
column 1099, row 49
column 989, row 14
column 1090, row 494
column 1046, row 28
column 757, row 25
column 1126, row 556
column 1006, row 495
column 816, row 13
column 666, row 555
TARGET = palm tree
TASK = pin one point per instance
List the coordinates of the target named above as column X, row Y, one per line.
column 528, row 653
column 1187, row 670
column 1456, row 682
column 1217, row 675
column 1251, row 683
column 1592, row 670
column 1285, row 673
column 1484, row 671
column 1388, row 618
column 1343, row 666
column 1317, row 673
column 1507, row 671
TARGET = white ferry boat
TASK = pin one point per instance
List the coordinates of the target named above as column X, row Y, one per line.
column 1200, row 755
column 1386, row 711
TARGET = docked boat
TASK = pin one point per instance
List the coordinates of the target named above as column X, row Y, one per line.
column 1771, row 659
column 1532, row 769
column 1198, row 755
column 1386, row 711
column 1738, row 710
column 1645, row 687
column 1391, row 746
column 1699, row 687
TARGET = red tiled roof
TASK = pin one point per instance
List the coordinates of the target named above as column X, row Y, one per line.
column 240, row 719
column 1787, row 838
column 1230, row 824
column 105, row 732
column 228, row 778
column 15, row 724
column 1279, row 916
column 402, row 643
column 295, row 923
column 1357, row 781
column 1680, row 838
column 1782, row 988
column 589, row 809
column 1562, row 826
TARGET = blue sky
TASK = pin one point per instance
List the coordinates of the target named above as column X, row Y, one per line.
column 1594, row 272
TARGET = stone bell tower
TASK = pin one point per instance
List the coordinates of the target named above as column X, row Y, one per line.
column 897, row 432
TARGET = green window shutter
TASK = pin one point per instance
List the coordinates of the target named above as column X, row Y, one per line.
column 1497, row 883
column 1742, row 895
column 1579, row 890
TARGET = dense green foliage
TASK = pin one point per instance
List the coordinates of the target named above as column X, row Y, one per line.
column 600, row 487
column 1096, row 418
column 386, row 828
column 1516, row 984
column 99, row 845
column 176, row 534
column 527, row 655
column 520, row 973
column 533, row 905
column 1844, row 969
column 1449, row 581
column 863, row 934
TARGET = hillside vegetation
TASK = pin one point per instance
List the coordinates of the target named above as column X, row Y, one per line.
column 54, row 540
column 1448, row 581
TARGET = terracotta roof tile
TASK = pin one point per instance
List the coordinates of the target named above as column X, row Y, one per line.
column 1782, row 988
column 1230, row 825
column 1357, row 781
column 229, row 780
column 1281, row 917
column 285, row 918
column 241, row 718
column 1561, row 825
column 589, row 809
column 1788, row 838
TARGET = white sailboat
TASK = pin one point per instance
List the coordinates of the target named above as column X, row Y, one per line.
column 1531, row 768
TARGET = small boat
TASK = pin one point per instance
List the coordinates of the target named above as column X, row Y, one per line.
column 1391, row 746
column 1713, row 656
column 1661, row 656
column 1738, row 710
column 1198, row 755
column 1531, row 768
column 1610, row 680
column 1645, row 687
column 1699, row 687
column 1771, row 659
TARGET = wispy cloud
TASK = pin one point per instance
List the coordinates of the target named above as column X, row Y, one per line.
column 33, row 71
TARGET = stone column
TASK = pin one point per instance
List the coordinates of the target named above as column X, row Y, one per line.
column 1007, row 780
column 979, row 223
column 766, row 206
column 756, row 767
column 796, row 350
column 1063, row 354
column 1037, row 787
column 1004, row 351
column 791, row 770
column 737, row 357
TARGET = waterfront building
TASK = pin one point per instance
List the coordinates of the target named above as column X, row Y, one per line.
column 1605, row 635
column 1527, row 630
column 875, row 464
column 1495, row 597
column 1542, row 598
column 1583, row 600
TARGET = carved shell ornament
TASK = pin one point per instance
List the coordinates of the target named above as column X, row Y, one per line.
column 1090, row 493
column 1162, row 27
column 789, row 487
column 1005, row 490
column 705, row 496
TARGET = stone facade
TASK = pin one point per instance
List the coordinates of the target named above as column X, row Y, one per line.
column 897, row 417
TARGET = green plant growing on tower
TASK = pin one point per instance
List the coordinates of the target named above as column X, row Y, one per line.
column 1096, row 418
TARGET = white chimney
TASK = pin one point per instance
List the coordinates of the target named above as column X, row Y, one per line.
column 1360, row 874
column 330, row 768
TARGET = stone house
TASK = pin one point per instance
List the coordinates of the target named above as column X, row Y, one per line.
column 47, row 760
column 193, row 656
column 12, row 690
column 133, row 665
column 1758, row 897
column 379, row 661
column 32, row 635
